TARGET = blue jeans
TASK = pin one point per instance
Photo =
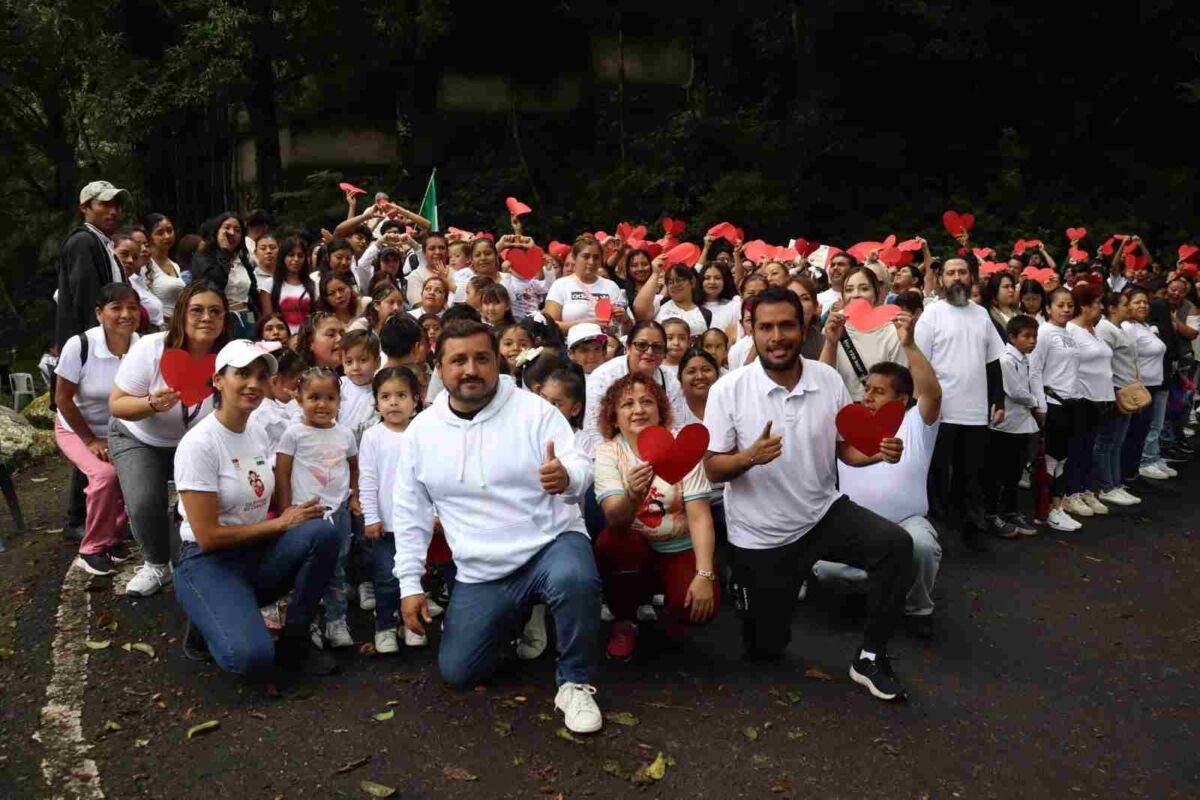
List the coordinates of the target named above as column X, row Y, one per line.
column 221, row 591
column 387, row 588
column 483, row 618
column 335, row 595
column 1158, row 413
column 1107, row 456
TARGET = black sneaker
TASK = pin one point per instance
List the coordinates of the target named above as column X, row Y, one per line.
column 878, row 677
column 294, row 652
column 95, row 564
column 998, row 526
column 120, row 553
column 194, row 646
column 1024, row 526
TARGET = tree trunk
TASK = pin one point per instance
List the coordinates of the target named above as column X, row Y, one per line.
column 260, row 103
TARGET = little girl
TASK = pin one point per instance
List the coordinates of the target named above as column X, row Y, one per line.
column 319, row 458
column 360, row 360
column 514, row 340
column 495, row 306
column 679, row 340
column 397, row 398
column 716, row 344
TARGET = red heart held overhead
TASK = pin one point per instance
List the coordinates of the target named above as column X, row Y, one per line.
column 991, row 268
column 1136, row 262
column 1075, row 234
column 559, row 250
column 526, row 263
column 909, row 245
column 673, row 227
column 515, row 207
column 724, row 230
column 601, row 237
column 865, row 317
column 1019, row 247
column 604, row 309
column 654, row 249
column 1077, row 255
column 1189, row 253
column 1191, row 270
column 983, row 252
column 350, row 187
column 895, row 258
column 1032, row 243
column 784, row 254
column 1040, row 275
column 188, row 376
column 673, row 457
column 862, row 251
column 686, row 253
column 757, row 250
column 865, row 430
column 805, row 247
column 957, row 224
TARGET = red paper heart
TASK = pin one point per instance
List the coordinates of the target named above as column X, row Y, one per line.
column 983, row 252
column 1136, row 262
column 890, row 241
column 895, row 258
column 604, row 309
column 866, row 431
column 673, row 227
column 991, row 268
column 1110, row 244
column 1019, row 247
column 526, row 263
column 1189, row 253
column 957, row 224
column 1191, row 270
column 1032, row 243
column 673, row 457
column 654, row 249
column 757, row 250
column 686, row 253
column 190, row 377
column 515, row 207
column 627, row 232
column 784, row 254
column 862, row 251
column 1040, row 275
column 559, row 250
column 865, row 317
column 909, row 245
column 350, row 187
column 805, row 247
column 1075, row 234
column 601, row 237
column 724, row 230
column 1077, row 255
column 458, row 234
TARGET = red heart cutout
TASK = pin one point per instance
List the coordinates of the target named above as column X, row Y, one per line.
column 458, row 234
column 601, row 237
column 784, row 254
column 890, row 241
column 983, row 252
column 895, row 258
column 1110, row 244
column 624, row 230
column 724, row 230
column 862, row 251
column 757, row 250
column 1033, row 243
column 991, row 267
column 515, row 207
column 1019, row 247
column 686, row 253
column 190, row 377
column 654, row 249
column 1077, row 255
column 956, row 223
column 559, row 250
column 1188, row 252
column 1136, row 262
column 1075, row 234
column 604, row 309
column 1191, row 270
column 866, row 431
column 673, row 457
column 1040, row 275
column 805, row 247
column 673, row 227
column 526, row 263
column 909, row 245
column 865, row 317
column 350, row 187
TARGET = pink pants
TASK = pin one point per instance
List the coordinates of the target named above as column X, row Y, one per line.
column 105, row 505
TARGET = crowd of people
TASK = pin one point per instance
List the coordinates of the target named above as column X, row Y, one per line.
column 431, row 424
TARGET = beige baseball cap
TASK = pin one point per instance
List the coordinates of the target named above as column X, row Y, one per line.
column 104, row 192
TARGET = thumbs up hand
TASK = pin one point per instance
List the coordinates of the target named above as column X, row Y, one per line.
column 553, row 474
column 765, row 449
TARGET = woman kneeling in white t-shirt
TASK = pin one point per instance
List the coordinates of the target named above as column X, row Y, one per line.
column 234, row 559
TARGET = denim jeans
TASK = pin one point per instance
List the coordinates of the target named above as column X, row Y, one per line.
column 221, row 591
column 387, row 588
column 143, row 472
column 483, row 618
column 1107, row 456
column 1135, row 440
column 1158, row 413
column 1081, row 451
column 335, row 594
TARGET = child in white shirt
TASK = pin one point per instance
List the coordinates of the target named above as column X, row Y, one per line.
column 279, row 409
column 360, row 361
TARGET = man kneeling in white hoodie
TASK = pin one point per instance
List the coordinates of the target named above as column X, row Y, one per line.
column 498, row 466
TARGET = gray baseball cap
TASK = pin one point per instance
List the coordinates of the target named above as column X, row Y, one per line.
column 104, row 192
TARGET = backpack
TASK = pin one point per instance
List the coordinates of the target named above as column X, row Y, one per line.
column 83, row 356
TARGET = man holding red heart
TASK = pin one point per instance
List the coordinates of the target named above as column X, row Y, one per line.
column 783, row 510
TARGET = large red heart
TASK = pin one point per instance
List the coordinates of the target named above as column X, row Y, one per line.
column 1135, row 261
column 724, row 230
column 526, row 263
column 784, row 254
column 1040, row 275
column 983, row 252
column 862, row 251
column 1075, row 234
column 1019, row 247
column 957, row 224
column 673, row 227
column 1188, row 253
column 865, row 317
column 805, row 247
column 1110, row 244
column 192, row 378
column 991, row 268
column 350, row 187
column 866, row 431
column 757, row 250
column 559, row 250
column 654, row 249
column 604, row 309
column 895, row 258
column 626, row 232
column 673, row 457
column 515, row 207
column 601, row 237
column 1077, row 255
column 686, row 253
column 909, row 245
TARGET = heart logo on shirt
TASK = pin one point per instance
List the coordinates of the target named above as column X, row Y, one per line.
column 958, row 224
column 604, row 310
column 865, row 317
column 526, row 263
column 673, row 457
column 866, row 430
column 515, row 207
column 192, row 378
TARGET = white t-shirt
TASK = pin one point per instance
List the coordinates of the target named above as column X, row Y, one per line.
column 377, row 473
column 264, row 280
column 827, row 298
column 578, row 299
column 896, row 491
column 320, row 462
column 463, row 276
column 1095, row 364
column 774, row 504
column 960, row 341
column 881, row 344
column 1054, row 365
column 94, row 379
column 692, row 316
column 140, row 376
column 725, row 313
column 269, row 421
column 526, row 294
column 1150, row 351
column 212, row 458
column 739, row 350
column 148, row 300
column 165, row 287
column 237, row 288
column 357, row 409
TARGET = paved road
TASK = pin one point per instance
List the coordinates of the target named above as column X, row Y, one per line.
column 1065, row 666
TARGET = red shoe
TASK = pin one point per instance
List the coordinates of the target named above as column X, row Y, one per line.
column 622, row 641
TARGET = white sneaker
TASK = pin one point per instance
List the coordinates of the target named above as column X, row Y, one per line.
column 658, row 600
column 1060, row 520
column 1074, row 505
column 1128, row 495
column 337, row 634
column 149, row 579
column 646, row 613
column 580, row 712
column 1025, row 482
column 366, row 596
column 386, row 642
column 1114, row 497
column 435, row 610
column 1152, row 472
column 1171, row 472
column 605, row 614
column 533, row 639
column 415, row 639
column 1095, row 505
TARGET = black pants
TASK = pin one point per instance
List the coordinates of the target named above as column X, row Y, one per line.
column 956, row 477
column 1006, row 457
column 766, row 582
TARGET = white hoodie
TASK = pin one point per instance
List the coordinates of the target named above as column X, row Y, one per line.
column 480, row 478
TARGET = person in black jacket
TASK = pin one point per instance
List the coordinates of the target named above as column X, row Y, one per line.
column 224, row 262
column 86, row 263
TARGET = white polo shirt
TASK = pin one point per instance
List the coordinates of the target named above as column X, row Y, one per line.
column 895, row 491
column 94, row 379
column 960, row 341
column 774, row 504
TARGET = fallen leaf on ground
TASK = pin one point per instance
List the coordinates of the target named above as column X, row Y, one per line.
column 501, row 727
column 750, row 733
column 38, row 480
column 141, row 647
column 621, row 718
column 203, row 727
column 656, row 770
column 518, row 761
column 109, row 725
column 795, row 733
column 779, row 786
column 367, row 649
column 615, row 769
column 544, row 717
column 142, row 742
column 376, row 789
column 258, row 715
column 350, row 766
column 6, row 652
column 459, row 774
column 392, row 703
column 384, row 716
column 565, row 734
column 819, row 674
column 91, row 645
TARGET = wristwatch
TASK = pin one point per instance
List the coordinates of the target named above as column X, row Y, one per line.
column 709, row 576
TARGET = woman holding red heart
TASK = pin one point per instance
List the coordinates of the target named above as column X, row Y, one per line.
column 852, row 350
column 572, row 298
column 655, row 529
column 149, row 420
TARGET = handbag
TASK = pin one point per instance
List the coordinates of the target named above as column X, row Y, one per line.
column 1133, row 397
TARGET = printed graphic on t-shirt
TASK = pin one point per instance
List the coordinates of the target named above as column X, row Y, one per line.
column 250, row 475
column 325, row 466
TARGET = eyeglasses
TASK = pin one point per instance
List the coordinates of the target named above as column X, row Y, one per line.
column 649, row 347
column 200, row 312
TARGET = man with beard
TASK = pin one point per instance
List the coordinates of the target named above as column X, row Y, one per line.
column 964, row 348
column 498, row 466
column 838, row 264
column 774, row 443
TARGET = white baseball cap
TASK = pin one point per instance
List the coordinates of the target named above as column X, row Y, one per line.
column 243, row 353
column 102, row 191
column 584, row 332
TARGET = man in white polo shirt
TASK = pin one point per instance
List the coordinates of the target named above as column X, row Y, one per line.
column 774, row 443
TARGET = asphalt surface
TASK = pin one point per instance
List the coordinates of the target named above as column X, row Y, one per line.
column 1063, row 666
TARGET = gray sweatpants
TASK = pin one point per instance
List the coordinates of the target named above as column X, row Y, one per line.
column 144, row 471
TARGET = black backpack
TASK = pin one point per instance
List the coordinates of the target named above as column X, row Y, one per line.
column 83, row 356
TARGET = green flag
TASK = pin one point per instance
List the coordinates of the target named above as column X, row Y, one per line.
column 428, row 208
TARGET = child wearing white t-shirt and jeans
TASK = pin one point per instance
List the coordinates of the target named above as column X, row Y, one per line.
column 319, row 458
column 360, row 360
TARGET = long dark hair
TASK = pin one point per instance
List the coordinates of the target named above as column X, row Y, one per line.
column 208, row 232
column 728, row 290
column 323, row 299
column 288, row 245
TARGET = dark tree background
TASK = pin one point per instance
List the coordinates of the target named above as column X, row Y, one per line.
column 838, row 122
